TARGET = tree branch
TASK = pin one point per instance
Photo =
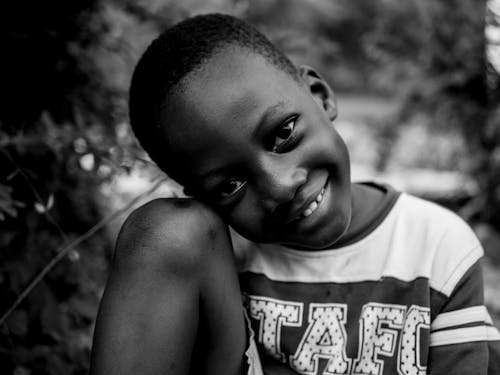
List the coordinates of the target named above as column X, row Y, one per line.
column 66, row 248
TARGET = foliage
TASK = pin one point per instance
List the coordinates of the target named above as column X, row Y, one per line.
column 64, row 132
column 59, row 140
column 440, row 72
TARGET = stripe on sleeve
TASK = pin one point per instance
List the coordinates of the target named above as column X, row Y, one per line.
column 463, row 335
column 466, row 263
column 462, row 316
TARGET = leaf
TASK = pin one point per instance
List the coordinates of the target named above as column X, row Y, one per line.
column 74, row 255
column 8, row 205
column 50, row 202
column 10, row 210
column 40, row 208
column 12, row 175
column 87, row 162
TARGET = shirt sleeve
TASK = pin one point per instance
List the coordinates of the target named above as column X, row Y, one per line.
column 463, row 339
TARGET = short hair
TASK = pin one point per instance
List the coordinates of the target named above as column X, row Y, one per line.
column 178, row 51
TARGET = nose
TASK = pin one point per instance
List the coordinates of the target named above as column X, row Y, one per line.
column 278, row 185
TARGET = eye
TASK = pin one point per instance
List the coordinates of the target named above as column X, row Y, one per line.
column 229, row 188
column 283, row 134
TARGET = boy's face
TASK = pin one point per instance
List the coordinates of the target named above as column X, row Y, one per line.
column 260, row 148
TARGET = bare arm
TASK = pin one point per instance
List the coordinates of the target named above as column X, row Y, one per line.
column 172, row 297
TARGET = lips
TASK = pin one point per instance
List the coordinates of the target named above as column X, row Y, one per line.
column 306, row 207
column 314, row 204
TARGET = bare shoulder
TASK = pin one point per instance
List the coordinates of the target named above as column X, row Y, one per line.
column 176, row 231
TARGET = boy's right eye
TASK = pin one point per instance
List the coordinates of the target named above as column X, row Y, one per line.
column 229, row 188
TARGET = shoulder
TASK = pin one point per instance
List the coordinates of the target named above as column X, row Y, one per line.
column 173, row 230
column 433, row 220
column 447, row 239
column 420, row 208
column 172, row 217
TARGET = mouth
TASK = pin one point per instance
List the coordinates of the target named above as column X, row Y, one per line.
column 313, row 205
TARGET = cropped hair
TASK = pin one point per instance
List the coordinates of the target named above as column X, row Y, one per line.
column 175, row 53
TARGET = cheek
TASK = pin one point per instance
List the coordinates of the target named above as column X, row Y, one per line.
column 248, row 218
column 244, row 217
column 327, row 146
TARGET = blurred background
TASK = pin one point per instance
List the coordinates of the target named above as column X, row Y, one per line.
column 418, row 90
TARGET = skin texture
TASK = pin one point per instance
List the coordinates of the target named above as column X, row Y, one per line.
column 229, row 116
column 172, row 304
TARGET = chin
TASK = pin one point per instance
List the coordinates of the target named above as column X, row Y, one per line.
column 328, row 236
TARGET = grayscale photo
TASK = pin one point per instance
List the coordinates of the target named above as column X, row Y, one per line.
column 237, row 187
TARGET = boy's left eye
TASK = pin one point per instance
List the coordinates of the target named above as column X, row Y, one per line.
column 283, row 134
column 229, row 188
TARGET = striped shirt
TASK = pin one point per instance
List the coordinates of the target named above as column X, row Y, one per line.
column 405, row 298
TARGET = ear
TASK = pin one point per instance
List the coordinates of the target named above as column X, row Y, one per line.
column 320, row 90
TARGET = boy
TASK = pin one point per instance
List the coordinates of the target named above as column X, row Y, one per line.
column 338, row 278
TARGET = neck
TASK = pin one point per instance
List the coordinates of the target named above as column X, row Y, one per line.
column 366, row 201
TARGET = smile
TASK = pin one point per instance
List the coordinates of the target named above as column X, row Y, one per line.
column 313, row 206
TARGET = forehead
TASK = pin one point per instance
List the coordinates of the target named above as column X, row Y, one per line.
column 215, row 109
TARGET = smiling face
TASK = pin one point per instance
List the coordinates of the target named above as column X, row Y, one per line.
column 260, row 148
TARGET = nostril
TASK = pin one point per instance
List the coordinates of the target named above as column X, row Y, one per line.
column 281, row 195
column 299, row 179
column 276, row 196
column 269, row 205
column 278, row 184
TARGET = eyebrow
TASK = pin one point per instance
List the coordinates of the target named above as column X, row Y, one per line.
column 268, row 114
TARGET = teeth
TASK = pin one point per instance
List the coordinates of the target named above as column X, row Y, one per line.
column 314, row 204
column 319, row 198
